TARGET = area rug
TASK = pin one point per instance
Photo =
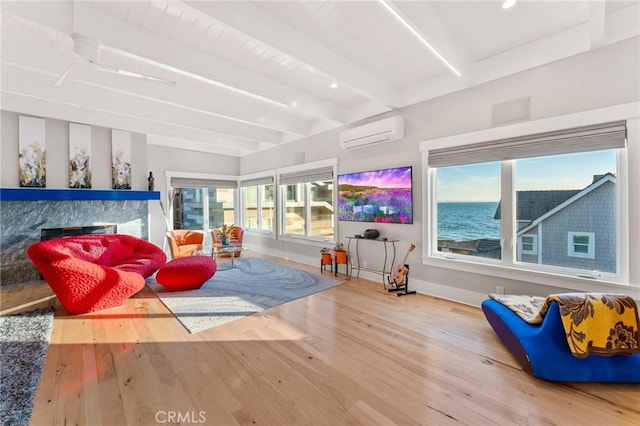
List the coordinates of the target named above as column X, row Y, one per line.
column 24, row 339
column 252, row 286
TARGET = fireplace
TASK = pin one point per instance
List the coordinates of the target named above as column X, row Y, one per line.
column 28, row 216
column 67, row 231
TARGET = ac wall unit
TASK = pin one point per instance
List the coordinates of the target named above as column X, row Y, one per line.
column 385, row 130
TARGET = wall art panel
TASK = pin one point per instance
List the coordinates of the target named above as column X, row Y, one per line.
column 79, row 156
column 120, row 159
column 32, row 154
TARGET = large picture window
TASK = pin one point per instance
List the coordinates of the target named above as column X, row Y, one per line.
column 307, row 200
column 554, row 195
column 201, row 203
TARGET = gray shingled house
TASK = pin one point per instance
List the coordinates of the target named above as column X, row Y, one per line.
column 574, row 228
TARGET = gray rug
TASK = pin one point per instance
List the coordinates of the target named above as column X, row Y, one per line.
column 24, row 339
column 253, row 286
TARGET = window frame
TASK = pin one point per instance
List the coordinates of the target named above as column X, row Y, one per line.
column 508, row 267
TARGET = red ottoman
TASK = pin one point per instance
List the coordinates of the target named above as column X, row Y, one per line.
column 186, row 273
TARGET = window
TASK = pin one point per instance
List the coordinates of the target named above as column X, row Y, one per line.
column 527, row 244
column 543, row 187
column 581, row 244
column 202, row 203
column 250, row 205
column 308, row 201
column 321, row 208
column 267, row 208
column 295, row 222
column 310, row 212
column 188, row 209
column 560, row 193
column 467, row 199
column 258, row 197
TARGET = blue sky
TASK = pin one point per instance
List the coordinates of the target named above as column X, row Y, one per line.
column 481, row 182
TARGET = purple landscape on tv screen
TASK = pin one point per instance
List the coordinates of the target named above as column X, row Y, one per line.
column 383, row 196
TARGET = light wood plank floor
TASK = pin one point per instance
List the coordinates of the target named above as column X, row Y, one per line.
column 353, row 354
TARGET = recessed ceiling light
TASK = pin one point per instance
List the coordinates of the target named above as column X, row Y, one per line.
column 334, row 85
column 507, row 4
column 294, row 104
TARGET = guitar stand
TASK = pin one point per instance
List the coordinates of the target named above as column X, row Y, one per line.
column 404, row 288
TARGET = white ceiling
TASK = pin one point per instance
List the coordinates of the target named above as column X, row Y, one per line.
column 255, row 74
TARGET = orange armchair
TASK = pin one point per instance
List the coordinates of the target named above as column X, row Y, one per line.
column 184, row 242
column 236, row 238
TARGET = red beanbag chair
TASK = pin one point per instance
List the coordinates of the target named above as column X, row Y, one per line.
column 92, row 272
column 186, row 273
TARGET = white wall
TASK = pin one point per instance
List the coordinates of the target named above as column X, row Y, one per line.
column 600, row 78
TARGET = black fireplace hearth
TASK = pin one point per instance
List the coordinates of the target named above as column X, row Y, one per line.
column 68, row 231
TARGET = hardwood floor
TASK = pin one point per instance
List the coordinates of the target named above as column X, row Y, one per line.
column 35, row 295
column 353, row 354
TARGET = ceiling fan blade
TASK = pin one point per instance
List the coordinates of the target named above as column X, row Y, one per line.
column 65, row 74
column 132, row 74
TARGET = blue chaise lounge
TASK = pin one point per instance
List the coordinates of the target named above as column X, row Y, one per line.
column 543, row 351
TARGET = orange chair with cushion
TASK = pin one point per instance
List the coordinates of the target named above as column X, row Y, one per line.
column 237, row 234
column 184, row 242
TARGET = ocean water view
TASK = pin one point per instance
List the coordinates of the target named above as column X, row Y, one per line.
column 461, row 221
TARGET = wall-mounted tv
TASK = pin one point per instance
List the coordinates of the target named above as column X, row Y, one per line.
column 383, row 196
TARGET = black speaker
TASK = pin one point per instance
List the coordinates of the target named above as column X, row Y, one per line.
column 371, row 234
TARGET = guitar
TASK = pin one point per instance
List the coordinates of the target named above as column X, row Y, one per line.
column 399, row 274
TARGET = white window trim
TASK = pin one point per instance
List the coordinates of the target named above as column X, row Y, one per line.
column 591, row 248
column 572, row 279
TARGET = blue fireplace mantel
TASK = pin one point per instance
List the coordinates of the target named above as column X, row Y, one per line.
column 43, row 194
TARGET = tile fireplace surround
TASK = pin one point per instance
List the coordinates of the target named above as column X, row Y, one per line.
column 25, row 211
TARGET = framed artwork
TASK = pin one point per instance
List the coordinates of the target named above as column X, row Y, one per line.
column 383, row 196
column 120, row 159
column 79, row 156
column 32, row 154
